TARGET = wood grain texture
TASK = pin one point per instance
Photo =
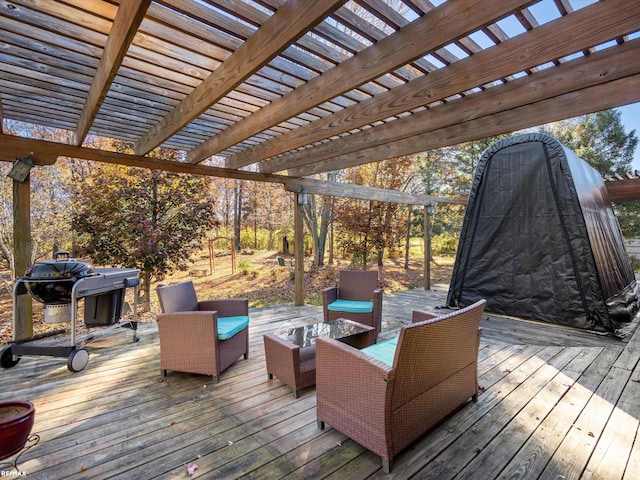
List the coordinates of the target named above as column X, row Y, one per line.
column 552, row 403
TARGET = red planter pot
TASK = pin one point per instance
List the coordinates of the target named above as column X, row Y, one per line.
column 16, row 421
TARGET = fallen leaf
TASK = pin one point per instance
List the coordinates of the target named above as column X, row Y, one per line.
column 591, row 434
column 637, row 380
column 478, row 450
column 172, row 424
column 506, row 370
column 191, row 468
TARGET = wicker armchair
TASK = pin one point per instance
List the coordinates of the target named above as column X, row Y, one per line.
column 203, row 337
column 357, row 297
column 386, row 403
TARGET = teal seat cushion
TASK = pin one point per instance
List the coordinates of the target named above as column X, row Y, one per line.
column 383, row 351
column 229, row 326
column 351, row 306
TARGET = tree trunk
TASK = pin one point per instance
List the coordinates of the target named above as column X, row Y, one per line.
column 331, row 237
column 311, row 219
column 325, row 219
column 407, row 243
column 237, row 214
column 146, row 288
column 255, row 232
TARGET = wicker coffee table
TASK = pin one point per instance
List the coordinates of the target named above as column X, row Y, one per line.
column 291, row 351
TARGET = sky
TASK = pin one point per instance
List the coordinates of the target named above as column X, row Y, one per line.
column 631, row 121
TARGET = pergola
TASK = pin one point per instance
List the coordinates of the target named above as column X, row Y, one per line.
column 282, row 91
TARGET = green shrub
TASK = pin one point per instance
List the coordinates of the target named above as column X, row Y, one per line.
column 245, row 267
column 444, row 244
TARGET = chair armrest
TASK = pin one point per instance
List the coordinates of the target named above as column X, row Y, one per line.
column 226, row 307
column 377, row 307
column 282, row 358
column 329, row 295
column 186, row 326
column 284, row 345
column 357, row 383
column 420, row 316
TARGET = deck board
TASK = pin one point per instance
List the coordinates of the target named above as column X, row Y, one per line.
column 554, row 402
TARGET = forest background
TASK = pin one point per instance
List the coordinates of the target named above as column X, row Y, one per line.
column 161, row 222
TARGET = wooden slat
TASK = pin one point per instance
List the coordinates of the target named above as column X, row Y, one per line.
column 485, row 66
column 427, row 33
column 625, row 190
column 12, row 147
column 589, row 100
column 595, row 69
column 129, row 16
column 539, row 448
column 273, row 37
column 53, row 48
column 609, row 458
column 540, row 398
column 578, row 445
column 1, row 115
column 538, row 405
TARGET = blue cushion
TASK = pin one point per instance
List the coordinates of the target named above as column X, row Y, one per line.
column 383, row 351
column 352, row 306
column 229, row 326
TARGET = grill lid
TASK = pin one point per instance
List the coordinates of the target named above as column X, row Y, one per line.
column 51, row 281
column 61, row 267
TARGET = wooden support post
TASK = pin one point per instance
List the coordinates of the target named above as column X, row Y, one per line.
column 299, row 250
column 23, row 325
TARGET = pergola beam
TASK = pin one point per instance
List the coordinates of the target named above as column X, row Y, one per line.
column 625, row 190
column 13, row 147
column 440, row 26
column 283, row 28
column 125, row 25
column 590, row 25
column 589, row 100
column 598, row 68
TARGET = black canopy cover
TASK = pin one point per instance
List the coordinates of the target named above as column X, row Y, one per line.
column 540, row 239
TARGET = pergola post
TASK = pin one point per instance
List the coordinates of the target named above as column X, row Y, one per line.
column 300, row 199
column 23, row 327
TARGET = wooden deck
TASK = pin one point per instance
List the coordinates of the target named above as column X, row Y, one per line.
column 556, row 404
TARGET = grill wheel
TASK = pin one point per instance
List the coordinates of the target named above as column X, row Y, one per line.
column 77, row 360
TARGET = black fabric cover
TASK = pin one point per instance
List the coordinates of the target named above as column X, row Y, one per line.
column 540, row 239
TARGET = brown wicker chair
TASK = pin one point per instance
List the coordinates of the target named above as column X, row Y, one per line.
column 386, row 407
column 203, row 337
column 355, row 286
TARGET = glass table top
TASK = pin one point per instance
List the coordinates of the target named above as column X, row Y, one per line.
column 305, row 336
